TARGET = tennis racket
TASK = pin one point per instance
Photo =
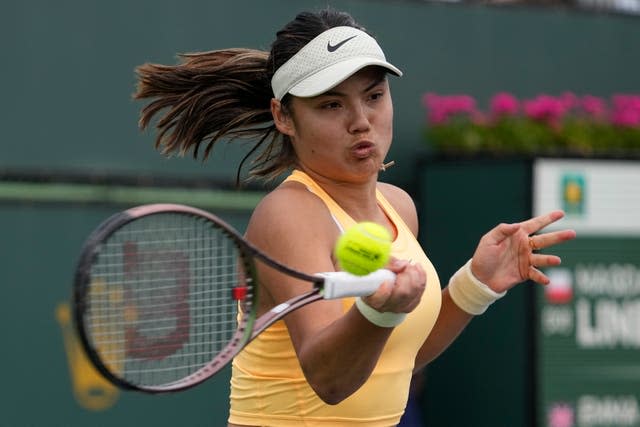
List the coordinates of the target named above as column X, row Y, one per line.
column 165, row 296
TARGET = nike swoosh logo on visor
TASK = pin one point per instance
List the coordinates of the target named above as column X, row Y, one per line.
column 333, row 48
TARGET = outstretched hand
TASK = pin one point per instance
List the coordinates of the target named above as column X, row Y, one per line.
column 508, row 254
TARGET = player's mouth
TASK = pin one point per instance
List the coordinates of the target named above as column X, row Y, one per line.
column 363, row 150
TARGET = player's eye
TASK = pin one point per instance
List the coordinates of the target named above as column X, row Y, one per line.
column 376, row 95
column 332, row 105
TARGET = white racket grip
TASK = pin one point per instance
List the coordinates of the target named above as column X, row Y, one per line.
column 340, row 284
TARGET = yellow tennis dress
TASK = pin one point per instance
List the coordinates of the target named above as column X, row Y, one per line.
column 268, row 387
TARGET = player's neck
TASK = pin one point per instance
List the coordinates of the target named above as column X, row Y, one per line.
column 357, row 199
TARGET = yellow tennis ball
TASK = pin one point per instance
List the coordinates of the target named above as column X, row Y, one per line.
column 363, row 248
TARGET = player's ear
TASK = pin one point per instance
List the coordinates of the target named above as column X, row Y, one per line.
column 282, row 118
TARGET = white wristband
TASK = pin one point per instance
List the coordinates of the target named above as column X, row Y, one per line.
column 384, row 320
column 469, row 293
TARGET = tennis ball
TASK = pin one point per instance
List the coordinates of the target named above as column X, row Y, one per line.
column 363, row 248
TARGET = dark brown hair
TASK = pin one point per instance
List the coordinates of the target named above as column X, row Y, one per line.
column 227, row 93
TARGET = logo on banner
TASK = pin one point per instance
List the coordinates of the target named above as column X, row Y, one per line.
column 595, row 410
column 573, row 194
column 90, row 389
column 561, row 414
column 560, row 288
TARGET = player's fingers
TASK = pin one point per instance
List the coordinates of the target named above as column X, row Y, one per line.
column 541, row 241
column 537, row 223
column 538, row 276
column 384, row 291
column 401, row 296
column 379, row 298
column 397, row 265
column 540, row 260
column 409, row 288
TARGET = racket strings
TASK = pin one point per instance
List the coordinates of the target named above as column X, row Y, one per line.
column 160, row 305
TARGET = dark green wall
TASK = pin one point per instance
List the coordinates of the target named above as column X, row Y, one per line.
column 486, row 377
column 39, row 248
column 68, row 67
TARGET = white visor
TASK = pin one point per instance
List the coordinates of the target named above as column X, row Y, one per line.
column 326, row 61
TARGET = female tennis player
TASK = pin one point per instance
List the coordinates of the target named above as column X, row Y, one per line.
column 319, row 107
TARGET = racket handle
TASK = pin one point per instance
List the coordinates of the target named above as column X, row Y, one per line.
column 340, row 284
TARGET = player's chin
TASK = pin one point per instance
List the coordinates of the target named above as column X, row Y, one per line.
column 363, row 170
column 369, row 166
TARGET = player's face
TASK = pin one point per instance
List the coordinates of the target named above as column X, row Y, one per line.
column 346, row 132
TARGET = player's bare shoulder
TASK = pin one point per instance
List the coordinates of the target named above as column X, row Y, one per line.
column 402, row 202
column 291, row 212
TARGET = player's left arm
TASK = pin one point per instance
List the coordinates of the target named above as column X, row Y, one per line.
column 502, row 259
column 505, row 256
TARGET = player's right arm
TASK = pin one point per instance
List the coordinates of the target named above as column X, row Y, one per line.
column 337, row 350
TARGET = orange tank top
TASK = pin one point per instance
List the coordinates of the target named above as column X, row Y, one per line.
column 268, row 387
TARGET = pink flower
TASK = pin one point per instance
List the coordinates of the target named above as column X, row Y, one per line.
column 442, row 108
column 569, row 101
column 436, row 114
column 626, row 118
column 545, row 108
column 583, row 125
column 626, row 101
column 594, row 107
column 626, row 110
column 504, row 104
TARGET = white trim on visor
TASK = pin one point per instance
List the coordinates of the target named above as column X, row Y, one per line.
column 326, row 61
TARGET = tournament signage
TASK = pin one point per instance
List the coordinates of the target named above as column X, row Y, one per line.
column 588, row 317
